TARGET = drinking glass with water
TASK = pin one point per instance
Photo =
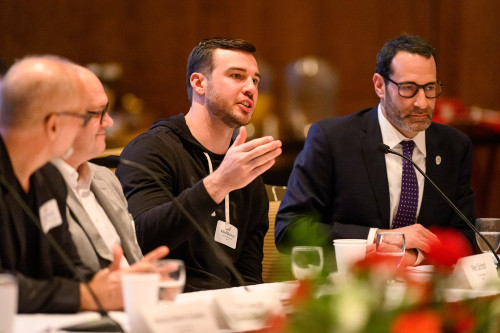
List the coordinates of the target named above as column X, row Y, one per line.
column 490, row 229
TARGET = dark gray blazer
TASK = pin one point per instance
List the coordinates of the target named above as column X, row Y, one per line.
column 339, row 189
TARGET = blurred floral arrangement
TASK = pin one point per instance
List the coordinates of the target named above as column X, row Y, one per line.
column 363, row 301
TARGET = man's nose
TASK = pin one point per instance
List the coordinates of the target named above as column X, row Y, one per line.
column 420, row 99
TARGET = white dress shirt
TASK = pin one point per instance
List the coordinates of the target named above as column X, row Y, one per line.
column 79, row 182
column 394, row 164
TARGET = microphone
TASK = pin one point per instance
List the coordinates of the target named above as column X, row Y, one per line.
column 115, row 160
column 385, row 149
column 105, row 323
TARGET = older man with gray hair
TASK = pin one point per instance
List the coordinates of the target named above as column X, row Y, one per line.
column 41, row 111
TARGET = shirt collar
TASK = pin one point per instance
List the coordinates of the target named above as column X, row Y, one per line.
column 392, row 137
column 76, row 179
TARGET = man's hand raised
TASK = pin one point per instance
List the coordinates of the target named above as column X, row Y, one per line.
column 244, row 161
column 106, row 283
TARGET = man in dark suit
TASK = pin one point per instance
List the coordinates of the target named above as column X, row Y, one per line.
column 343, row 186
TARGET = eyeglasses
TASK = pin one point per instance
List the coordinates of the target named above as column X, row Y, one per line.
column 98, row 114
column 410, row 89
column 85, row 116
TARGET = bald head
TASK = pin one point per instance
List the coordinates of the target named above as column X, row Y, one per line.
column 90, row 140
column 36, row 86
column 92, row 87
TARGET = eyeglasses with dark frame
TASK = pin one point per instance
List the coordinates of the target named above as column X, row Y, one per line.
column 410, row 89
column 85, row 116
column 99, row 113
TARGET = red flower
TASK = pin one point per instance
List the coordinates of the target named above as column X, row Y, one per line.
column 417, row 321
column 460, row 317
column 275, row 324
column 452, row 245
column 302, row 293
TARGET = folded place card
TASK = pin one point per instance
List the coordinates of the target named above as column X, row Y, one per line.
column 246, row 310
column 192, row 317
column 475, row 272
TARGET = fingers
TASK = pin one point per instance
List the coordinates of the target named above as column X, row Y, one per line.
column 371, row 249
column 418, row 237
column 260, row 142
column 117, row 258
column 260, row 155
column 241, row 138
column 158, row 253
column 261, row 169
column 409, row 259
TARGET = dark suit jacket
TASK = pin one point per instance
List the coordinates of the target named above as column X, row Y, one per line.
column 339, row 188
column 45, row 283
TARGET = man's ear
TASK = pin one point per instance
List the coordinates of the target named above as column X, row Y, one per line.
column 198, row 83
column 52, row 126
column 379, row 85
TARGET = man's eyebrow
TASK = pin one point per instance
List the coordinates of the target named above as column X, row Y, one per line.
column 242, row 70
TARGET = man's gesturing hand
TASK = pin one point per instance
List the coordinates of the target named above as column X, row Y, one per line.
column 244, row 161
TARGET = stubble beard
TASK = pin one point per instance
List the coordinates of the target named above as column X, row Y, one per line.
column 221, row 109
column 399, row 117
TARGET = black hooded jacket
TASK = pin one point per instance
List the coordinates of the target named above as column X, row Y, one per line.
column 169, row 149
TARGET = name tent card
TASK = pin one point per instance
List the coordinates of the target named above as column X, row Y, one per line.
column 475, row 272
column 192, row 317
column 243, row 311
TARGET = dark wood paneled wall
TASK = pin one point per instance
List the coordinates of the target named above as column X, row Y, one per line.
column 152, row 40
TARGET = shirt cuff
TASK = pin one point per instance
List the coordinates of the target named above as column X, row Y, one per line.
column 420, row 258
column 371, row 236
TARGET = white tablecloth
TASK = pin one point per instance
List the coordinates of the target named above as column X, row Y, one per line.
column 37, row 323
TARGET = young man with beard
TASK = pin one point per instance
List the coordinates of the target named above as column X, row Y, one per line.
column 343, row 186
column 215, row 178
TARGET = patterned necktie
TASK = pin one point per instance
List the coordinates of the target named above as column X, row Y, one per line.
column 408, row 202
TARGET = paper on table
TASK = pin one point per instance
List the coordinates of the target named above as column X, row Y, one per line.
column 247, row 310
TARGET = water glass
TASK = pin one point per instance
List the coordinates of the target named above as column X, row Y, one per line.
column 172, row 278
column 307, row 262
column 391, row 247
column 490, row 229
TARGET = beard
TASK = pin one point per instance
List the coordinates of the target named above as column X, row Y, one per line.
column 223, row 110
column 401, row 119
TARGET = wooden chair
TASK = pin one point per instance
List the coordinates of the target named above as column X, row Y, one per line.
column 275, row 265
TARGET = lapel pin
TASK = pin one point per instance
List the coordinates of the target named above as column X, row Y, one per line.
column 213, row 214
column 438, row 160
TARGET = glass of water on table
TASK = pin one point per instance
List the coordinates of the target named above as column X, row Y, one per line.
column 307, row 262
column 490, row 229
column 172, row 278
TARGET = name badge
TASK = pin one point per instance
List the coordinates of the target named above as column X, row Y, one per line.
column 49, row 215
column 228, row 237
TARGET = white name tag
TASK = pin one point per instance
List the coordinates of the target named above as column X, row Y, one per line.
column 228, row 237
column 49, row 215
column 190, row 317
column 475, row 271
